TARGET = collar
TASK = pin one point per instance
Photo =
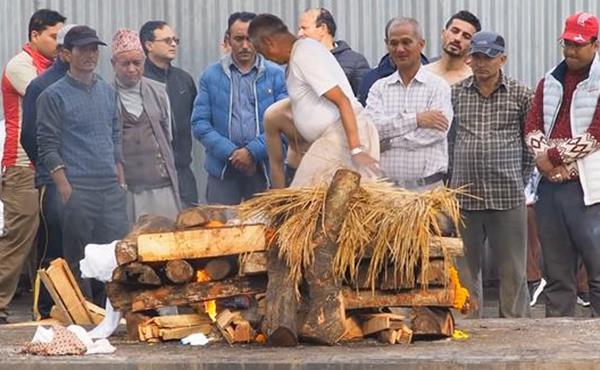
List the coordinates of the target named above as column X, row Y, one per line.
column 78, row 84
column 421, row 77
column 254, row 66
column 226, row 62
column 40, row 61
column 470, row 82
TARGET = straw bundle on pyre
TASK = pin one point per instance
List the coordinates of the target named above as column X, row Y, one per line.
column 336, row 257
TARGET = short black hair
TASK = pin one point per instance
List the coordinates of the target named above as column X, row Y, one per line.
column 239, row 16
column 44, row 18
column 147, row 32
column 326, row 18
column 466, row 16
column 266, row 25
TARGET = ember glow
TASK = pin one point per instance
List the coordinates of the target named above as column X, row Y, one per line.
column 210, row 307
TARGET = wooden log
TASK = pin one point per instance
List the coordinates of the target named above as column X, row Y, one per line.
column 324, row 322
column 253, row 263
column 435, row 296
column 242, row 332
column 221, row 267
column 375, row 325
column 126, row 249
column 201, row 243
column 220, row 213
column 438, row 248
column 179, row 271
column 191, row 217
column 280, row 303
column 136, row 273
column 432, row 321
column 178, row 333
column 404, row 335
column 197, row 292
column 121, row 295
column 437, row 275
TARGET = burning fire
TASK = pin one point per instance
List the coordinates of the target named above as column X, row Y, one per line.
column 210, row 307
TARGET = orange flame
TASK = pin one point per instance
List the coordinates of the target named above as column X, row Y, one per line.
column 210, row 307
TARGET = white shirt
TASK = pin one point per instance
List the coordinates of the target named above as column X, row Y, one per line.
column 312, row 71
column 416, row 152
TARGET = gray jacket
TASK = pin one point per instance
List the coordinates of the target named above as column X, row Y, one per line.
column 354, row 64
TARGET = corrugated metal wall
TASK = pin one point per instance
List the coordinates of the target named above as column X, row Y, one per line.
column 530, row 27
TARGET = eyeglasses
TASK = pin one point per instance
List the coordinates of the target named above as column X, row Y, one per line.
column 565, row 44
column 169, row 40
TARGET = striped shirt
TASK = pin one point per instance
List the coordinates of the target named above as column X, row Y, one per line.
column 415, row 152
column 488, row 146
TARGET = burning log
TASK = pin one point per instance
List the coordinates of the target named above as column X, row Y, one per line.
column 221, row 267
column 197, row 292
column 191, row 217
column 136, row 273
column 126, row 249
column 179, row 271
column 325, row 319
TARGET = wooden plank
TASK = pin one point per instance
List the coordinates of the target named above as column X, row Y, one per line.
column 55, row 296
column 254, row 263
column 353, row 329
column 97, row 313
column 178, row 333
column 375, row 325
column 242, row 332
column 177, row 321
column 388, row 336
column 126, row 249
column 196, row 292
column 226, row 317
column 201, row 243
column 440, row 297
column 66, row 287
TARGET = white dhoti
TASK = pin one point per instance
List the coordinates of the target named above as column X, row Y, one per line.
column 330, row 152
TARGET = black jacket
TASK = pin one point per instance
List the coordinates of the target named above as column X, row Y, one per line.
column 354, row 64
column 29, row 125
column 182, row 92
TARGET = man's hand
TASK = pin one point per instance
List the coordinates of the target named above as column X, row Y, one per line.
column 367, row 163
column 544, row 165
column 243, row 161
column 433, row 119
column 558, row 174
column 65, row 191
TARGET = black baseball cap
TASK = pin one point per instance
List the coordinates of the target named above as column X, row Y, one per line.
column 488, row 43
column 81, row 36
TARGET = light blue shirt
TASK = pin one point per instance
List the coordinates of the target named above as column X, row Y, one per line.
column 243, row 114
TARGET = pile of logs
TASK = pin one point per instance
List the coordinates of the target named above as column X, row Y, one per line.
column 162, row 263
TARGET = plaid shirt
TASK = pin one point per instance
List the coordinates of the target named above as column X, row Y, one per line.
column 415, row 152
column 488, row 150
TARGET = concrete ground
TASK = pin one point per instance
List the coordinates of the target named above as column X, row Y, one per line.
column 492, row 344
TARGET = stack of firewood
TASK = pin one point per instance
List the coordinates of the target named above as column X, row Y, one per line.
column 208, row 257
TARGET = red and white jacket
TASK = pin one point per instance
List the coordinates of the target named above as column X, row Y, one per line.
column 19, row 72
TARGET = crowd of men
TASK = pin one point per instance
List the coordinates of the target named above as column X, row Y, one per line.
column 86, row 156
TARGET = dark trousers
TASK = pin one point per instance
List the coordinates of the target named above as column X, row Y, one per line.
column 49, row 238
column 234, row 188
column 92, row 216
column 506, row 232
column 568, row 228
column 188, row 191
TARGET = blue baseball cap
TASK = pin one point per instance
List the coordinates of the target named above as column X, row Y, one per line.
column 488, row 43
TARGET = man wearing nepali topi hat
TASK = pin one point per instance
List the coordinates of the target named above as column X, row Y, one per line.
column 144, row 114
